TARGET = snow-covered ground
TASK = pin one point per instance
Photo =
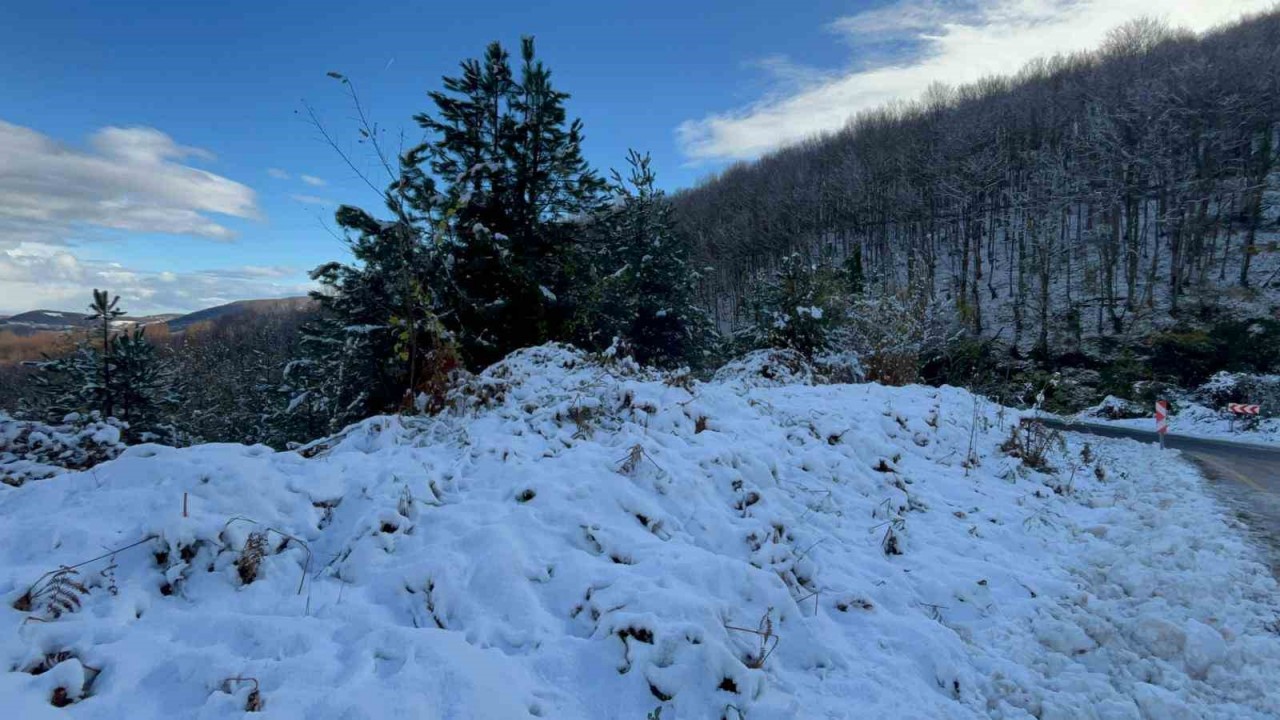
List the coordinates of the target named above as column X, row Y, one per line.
column 1191, row 419
column 590, row 541
column 33, row 450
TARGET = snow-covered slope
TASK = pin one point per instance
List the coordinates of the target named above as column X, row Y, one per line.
column 588, row 541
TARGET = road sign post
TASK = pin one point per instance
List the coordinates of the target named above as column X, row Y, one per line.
column 1242, row 409
column 1162, row 420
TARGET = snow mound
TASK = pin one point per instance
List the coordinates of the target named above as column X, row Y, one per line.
column 768, row 368
column 588, row 540
column 33, row 450
column 1228, row 387
column 1115, row 408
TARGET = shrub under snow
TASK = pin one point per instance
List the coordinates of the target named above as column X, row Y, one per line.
column 591, row 541
column 33, row 450
column 1114, row 408
column 1228, row 387
column 768, row 368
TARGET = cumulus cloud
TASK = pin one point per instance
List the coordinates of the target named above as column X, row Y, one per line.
column 47, row 276
column 948, row 41
column 312, row 180
column 128, row 179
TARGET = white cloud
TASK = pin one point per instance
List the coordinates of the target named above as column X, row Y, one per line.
column 312, row 200
column 129, row 179
column 950, row 42
column 311, row 180
column 52, row 277
column 906, row 16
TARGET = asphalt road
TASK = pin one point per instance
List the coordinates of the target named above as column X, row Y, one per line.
column 1245, row 477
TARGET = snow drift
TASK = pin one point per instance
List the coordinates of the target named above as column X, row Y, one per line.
column 584, row 539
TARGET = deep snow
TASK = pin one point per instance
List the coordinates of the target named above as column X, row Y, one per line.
column 587, row 540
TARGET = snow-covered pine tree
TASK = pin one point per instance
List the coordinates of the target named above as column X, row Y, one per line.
column 479, row 256
column 144, row 386
column 514, row 184
column 68, row 384
column 112, row 373
column 103, row 311
column 647, row 287
column 376, row 343
column 796, row 306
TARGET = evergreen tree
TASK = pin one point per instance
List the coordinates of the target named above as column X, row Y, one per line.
column 69, row 384
column 480, row 257
column 515, row 185
column 377, row 344
column 103, row 311
column 143, row 384
column 797, row 307
column 123, row 377
column 853, row 271
column 325, row 389
column 647, row 290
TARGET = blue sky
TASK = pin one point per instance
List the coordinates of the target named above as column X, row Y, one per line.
column 198, row 195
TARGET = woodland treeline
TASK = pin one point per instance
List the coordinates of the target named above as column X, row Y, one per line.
column 1127, row 194
column 1106, row 193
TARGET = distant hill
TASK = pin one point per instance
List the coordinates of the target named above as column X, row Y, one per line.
column 152, row 319
column 40, row 321
column 30, row 335
column 35, row 321
column 241, row 307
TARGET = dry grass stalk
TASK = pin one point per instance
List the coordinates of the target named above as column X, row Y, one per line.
column 768, row 640
column 254, row 702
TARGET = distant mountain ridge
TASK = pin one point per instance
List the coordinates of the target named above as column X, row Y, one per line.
column 241, row 307
column 35, row 321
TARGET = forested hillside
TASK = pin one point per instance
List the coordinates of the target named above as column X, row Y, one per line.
column 1106, row 193
column 1109, row 219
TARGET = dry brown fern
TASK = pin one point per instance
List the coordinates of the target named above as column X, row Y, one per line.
column 57, row 592
column 255, row 549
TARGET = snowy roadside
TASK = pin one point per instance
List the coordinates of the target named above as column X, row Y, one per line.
column 1176, row 608
column 1190, row 418
column 1195, row 421
column 592, row 541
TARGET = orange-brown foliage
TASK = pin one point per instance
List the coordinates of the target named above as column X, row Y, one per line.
column 15, row 348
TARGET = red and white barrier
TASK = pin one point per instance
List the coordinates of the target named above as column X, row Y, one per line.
column 1244, row 409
